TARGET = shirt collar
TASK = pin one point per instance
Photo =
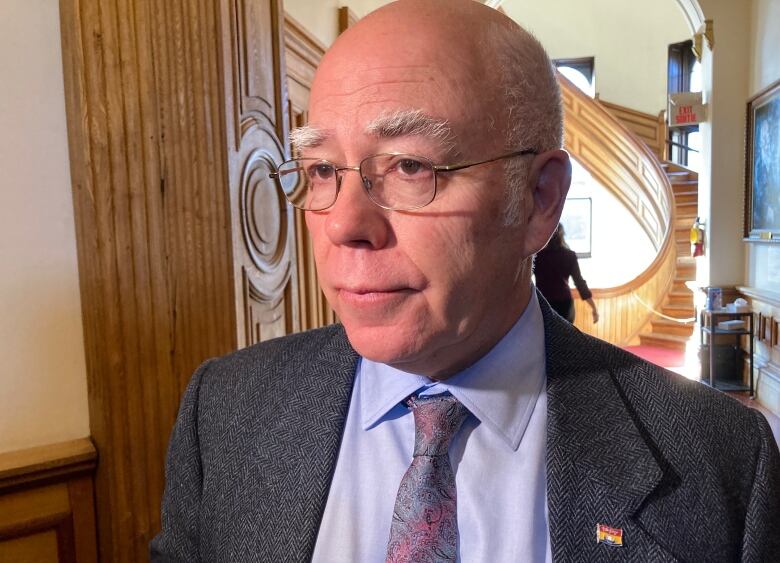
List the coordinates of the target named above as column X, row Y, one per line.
column 500, row 389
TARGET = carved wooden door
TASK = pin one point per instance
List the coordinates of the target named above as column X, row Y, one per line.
column 257, row 125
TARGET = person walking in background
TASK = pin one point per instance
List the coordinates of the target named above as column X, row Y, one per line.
column 553, row 267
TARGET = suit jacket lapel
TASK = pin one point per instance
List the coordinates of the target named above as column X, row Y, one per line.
column 600, row 469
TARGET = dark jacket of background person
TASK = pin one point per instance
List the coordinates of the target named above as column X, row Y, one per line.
column 553, row 267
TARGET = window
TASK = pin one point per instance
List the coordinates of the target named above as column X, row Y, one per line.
column 580, row 71
column 684, row 75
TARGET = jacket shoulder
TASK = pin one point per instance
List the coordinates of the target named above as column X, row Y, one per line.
column 282, row 356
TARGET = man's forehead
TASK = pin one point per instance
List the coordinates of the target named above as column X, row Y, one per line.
column 376, row 81
column 370, row 93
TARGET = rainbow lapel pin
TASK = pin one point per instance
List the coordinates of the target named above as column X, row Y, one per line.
column 609, row 536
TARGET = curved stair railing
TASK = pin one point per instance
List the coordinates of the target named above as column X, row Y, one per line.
column 625, row 166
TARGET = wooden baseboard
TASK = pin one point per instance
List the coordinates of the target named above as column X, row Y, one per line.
column 47, row 504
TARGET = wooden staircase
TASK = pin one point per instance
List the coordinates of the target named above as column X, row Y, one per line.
column 678, row 303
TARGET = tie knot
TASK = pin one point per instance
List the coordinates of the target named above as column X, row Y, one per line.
column 436, row 420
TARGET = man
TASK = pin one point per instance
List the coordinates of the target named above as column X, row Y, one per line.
column 551, row 444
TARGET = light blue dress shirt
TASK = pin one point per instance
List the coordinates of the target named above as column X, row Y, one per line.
column 498, row 455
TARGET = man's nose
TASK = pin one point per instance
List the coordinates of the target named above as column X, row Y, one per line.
column 354, row 219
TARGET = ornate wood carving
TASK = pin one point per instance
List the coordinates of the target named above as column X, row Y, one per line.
column 258, row 120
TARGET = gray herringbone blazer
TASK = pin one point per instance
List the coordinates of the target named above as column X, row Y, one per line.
column 688, row 473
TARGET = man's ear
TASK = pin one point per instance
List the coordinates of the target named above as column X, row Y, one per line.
column 549, row 180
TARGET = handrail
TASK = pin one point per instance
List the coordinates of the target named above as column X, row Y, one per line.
column 676, row 144
column 686, row 321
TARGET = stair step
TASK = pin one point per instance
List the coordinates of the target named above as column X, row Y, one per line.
column 679, row 284
column 685, row 188
column 684, row 222
column 681, row 182
column 688, row 206
column 680, row 296
column 671, row 328
column 683, row 249
column 678, row 311
column 674, row 342
column 682, row 235
column 687, row 274
column 687, row 212
column 680, row 177
column 674, row 166
column 686, row 262
column 686, row 198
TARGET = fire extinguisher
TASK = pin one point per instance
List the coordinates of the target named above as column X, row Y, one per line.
column 697, row 238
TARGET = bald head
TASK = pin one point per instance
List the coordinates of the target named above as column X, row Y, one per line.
column 495, row 71
column 503, row 64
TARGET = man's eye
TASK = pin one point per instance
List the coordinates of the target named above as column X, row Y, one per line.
column 410, row 167
column 321, row 171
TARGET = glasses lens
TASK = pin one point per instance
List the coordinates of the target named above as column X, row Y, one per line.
column 399, row 181
column 309, row 183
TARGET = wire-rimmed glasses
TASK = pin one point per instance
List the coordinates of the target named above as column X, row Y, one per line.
column 395, row 181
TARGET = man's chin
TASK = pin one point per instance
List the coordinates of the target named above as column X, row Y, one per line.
column 383, row 344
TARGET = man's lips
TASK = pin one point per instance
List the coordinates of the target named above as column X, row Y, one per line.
column 370, row 295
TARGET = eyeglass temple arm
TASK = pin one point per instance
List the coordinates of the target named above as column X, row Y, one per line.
column 461, row 166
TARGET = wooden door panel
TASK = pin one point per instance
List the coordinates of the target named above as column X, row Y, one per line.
column 264, row 253
column 302, row 55
column 267, row 250
column 256, row 56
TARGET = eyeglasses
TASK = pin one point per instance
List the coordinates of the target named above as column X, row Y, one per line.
column 395, row 181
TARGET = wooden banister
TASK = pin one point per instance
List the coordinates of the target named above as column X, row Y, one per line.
column 622, row 163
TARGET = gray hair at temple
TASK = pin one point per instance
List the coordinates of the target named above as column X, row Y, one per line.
column 532, row 105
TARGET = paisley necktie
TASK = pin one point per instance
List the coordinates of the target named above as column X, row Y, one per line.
column 425, row 520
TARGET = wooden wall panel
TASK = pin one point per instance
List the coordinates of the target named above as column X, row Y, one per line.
column 622, row 314
column 303, row 53
column 47, row 504
column 766, row 308
column 145, row 102
column 651, row 129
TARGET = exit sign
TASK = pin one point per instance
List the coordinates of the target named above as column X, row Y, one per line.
column 686, row 108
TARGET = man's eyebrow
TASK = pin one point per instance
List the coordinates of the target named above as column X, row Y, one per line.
column 412, row 122
column 307, row 137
